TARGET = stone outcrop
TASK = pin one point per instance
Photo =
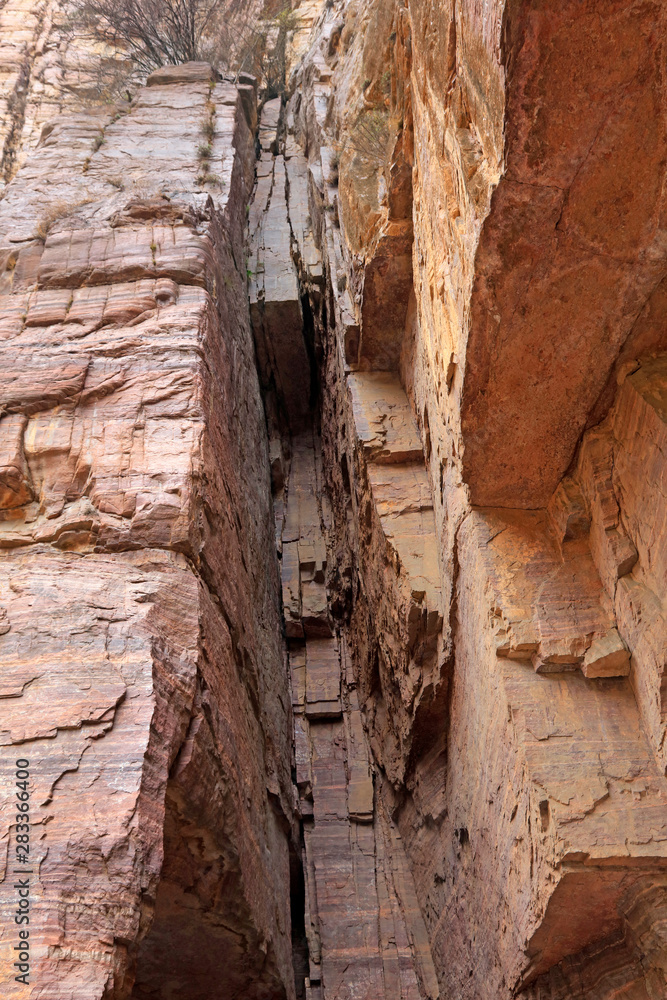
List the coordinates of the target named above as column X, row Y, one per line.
column 46, row 68
column 518, row 743
column 365, row 933
column 571, row 258
column 143, row 668
column 332, row 508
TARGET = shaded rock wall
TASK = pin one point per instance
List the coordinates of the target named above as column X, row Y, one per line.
column 365, row 933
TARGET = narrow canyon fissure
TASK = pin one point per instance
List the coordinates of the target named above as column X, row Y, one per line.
column 364, row 930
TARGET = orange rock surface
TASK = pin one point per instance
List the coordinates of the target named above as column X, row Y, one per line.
column 142, row 663
column 332, row 508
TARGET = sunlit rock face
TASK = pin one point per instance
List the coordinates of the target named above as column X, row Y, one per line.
column 332, row 509
column 143, row 669
column 519, row 747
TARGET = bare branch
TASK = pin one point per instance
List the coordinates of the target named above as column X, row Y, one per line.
column 227, row 33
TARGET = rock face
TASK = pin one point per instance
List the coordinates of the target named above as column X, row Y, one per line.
column 143, row 668
column 365, row 933
column 332, row 511
column 491, row 428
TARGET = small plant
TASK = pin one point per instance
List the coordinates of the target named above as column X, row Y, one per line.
column 208, row 130
column 370, row 135
column 204, row 151
column 287, row 20
column 59, row 210
column 206, row 177
column 268, row 47
column 98, row 141
column 334, row 165
column 86, row 164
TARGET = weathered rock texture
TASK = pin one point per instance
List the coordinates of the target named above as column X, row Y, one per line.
column 46, row 68
column 143, row 669
column 422, row 750
column 492, row 416
column 365, row 933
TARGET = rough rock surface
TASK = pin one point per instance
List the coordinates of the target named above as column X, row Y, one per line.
column 46, row 68
column 143, row 668
column 421, row 753
column 365, row 933
column 514, row 701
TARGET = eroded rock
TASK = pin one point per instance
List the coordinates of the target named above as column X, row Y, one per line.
column 142, row 656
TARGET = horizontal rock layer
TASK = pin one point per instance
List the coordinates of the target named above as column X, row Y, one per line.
column 518, row 732
column 143, row 664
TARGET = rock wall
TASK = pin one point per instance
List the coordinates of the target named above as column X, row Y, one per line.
column 144, row 674
column 333, row 510
column 490, row 421
column 45, row 68
column 365, row 933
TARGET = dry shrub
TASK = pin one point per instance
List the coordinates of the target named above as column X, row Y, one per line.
column 370, row 135
column 206, row 178
column 57, row 211
column 147, row 34
column 152, row 33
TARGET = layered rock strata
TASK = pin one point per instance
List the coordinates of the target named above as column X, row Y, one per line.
column 519, row 745
column 46, row 68
column 366, row 936
column 365, row 932
column 143, row 668
column 455, row 273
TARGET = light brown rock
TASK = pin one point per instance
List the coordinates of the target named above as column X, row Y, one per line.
column 507, row 774
column 190, row 72
column 607, row 657
column 471, row 316
column 140, row 632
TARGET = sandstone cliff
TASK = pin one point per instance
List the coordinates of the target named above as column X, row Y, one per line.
column 491, row 414
column 141, row 644
column 333, row 509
